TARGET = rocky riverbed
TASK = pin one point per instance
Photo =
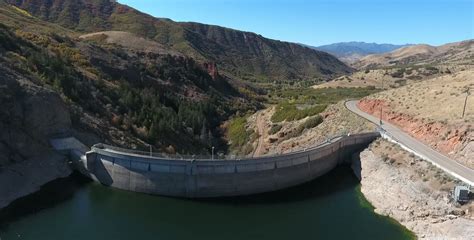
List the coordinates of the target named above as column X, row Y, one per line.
column 414, row 193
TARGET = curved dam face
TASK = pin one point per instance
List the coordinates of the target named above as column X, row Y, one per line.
column 218, row 178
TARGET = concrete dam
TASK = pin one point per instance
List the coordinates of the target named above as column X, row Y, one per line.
column 206, row 178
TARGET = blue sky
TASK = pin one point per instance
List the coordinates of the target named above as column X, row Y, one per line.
column 319, row 22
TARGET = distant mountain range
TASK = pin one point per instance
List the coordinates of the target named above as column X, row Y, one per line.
column 350, row 52
column 457, row 53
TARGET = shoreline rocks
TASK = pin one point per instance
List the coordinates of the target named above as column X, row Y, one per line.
column 413, row 194
column 21, row 179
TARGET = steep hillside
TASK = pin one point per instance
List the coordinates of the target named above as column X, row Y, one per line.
column 130, row 41
column 392, row 77
column 244, row 55
column 460, row 53
column 352, row 51
column 29, row 114
column 112, row 87
column 432, row 111
column 121, row 95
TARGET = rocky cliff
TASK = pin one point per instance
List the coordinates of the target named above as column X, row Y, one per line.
column 29, row 115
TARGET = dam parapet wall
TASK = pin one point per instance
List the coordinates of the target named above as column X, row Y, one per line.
column 203, row 178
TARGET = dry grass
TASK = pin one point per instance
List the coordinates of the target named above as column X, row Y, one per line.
column 392, row 154
column 439, row 99
column 393, row 77
column 460, row 53
column 431, row 111
column 128, row 40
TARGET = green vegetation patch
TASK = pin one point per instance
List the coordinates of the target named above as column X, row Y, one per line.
column 308, row 124
column 318, row 99
column 312, row 122
column 274, row 129
column 322, row 95
column 289, row 112
column 239, row 136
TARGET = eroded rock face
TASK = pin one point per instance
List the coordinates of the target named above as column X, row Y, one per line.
column 212, row 70
column 30, row 114
column 45, row 113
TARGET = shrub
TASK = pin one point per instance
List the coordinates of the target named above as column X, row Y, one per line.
column 401, row 82
column 399, row 73
column 289, row 112
column 237, row 132
column 312, row 122
column 274, row 129
column 308, row 124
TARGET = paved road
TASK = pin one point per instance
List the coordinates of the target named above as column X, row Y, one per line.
column 449, row 165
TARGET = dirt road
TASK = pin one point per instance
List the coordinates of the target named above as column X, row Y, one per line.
column 262, row 133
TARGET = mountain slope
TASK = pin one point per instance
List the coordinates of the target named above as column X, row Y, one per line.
column 244, row 55
column 352, row 51
column 121, row 95
column 459, row 53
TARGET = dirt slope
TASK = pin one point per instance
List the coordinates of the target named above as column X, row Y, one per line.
column 337, row 121
column 129, row 40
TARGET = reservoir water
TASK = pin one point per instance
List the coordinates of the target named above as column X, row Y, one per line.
column 331, row 207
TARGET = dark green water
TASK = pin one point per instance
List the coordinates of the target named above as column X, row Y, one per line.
column 330, row 207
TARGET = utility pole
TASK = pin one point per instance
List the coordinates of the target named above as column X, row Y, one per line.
column 381, row 107
column 151, row 150
column 212, row 152
column 465, row 103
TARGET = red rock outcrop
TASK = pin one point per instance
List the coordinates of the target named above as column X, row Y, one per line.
column 211, row 69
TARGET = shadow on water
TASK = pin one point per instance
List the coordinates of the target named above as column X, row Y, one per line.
column 62, row 190
column 50, row 195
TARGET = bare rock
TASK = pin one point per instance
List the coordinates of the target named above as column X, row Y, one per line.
column 29, row 116
column 46, row 113
column 396, row 191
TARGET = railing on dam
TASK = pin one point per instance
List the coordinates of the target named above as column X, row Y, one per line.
column 195, row 157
